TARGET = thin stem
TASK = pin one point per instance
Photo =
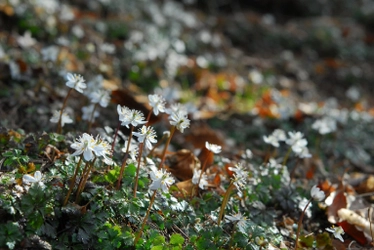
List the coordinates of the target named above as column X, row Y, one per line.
column 299, row 223
column 92, row 117
column 86, row 167
column 73, row 181
column 172, row 130
column 224, row 202
column 84, row 179
column 141, row 146
column 145, row 217
column 286, row 157
column 149, row 117
column 59, row 126
column 268, row 154
column 125, row 159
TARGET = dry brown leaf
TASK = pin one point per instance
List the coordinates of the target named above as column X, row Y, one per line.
column 359, row 222
column 182, row 163
column 339, row 202
column 200, row 132
column 185, row 188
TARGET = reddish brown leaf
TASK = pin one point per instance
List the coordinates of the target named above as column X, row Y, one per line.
column 339, row 201
column 206, row 157
column 353, row 232
column 200, row 132
column 182, row 163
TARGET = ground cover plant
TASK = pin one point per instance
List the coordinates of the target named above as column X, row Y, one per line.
column 185, row 125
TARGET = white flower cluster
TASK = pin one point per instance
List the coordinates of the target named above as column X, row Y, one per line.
column 160, row 179
column 130, row 116
column 298, row 144
column 295, row 139
column 240, row 177
column 277, row 136
column 90, row 148
column 147, row 136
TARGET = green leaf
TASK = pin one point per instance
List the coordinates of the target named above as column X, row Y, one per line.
column 306, row 241
column 158, row 240
column 157, row 248
column 112, row 175
column 130, row 170
column 176, row 239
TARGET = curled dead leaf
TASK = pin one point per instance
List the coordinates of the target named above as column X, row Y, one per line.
column 182, row 163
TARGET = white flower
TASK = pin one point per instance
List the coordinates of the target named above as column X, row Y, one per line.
column 239, row 220
column 100, row 96
column 87, row 112
column 147, row 136
column 296, row 141
column 160, row 179
column 37, row 178
column 325, row 125
column 135, row 118
column 271, row 140
column 157, row 102
column 304, row 153
column 240, row 177
column 196, row 176
column 85, row 145
column 103, row 149
column 124, row 114
column 177, row 107
column 216, row 149
column 64, row 118
column 179, row 120
column 337, row 231
column 76, row 81
column 317, row 194
column 130, row 116
column 255, row 76
column 50, row 53
column 26, row 40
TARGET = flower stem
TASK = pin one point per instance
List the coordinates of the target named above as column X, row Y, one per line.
column 145, row 217
column 149, row 117
column 286, row 156
column 172, row 130
column 299, row 224
column 73, row 181
column 59, row 126
column 84, row 179
column 137, row 170
column 125, row 159
column 224, row 202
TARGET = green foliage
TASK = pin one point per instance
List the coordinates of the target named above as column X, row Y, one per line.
column 15, row 158
column 10, row 232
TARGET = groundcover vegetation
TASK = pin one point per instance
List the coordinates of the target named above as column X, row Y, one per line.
column 186, row 125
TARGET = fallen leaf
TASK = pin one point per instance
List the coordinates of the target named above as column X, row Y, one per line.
column 339, row 202
column 351, row 222
column 182, row 163
column 200, row 132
